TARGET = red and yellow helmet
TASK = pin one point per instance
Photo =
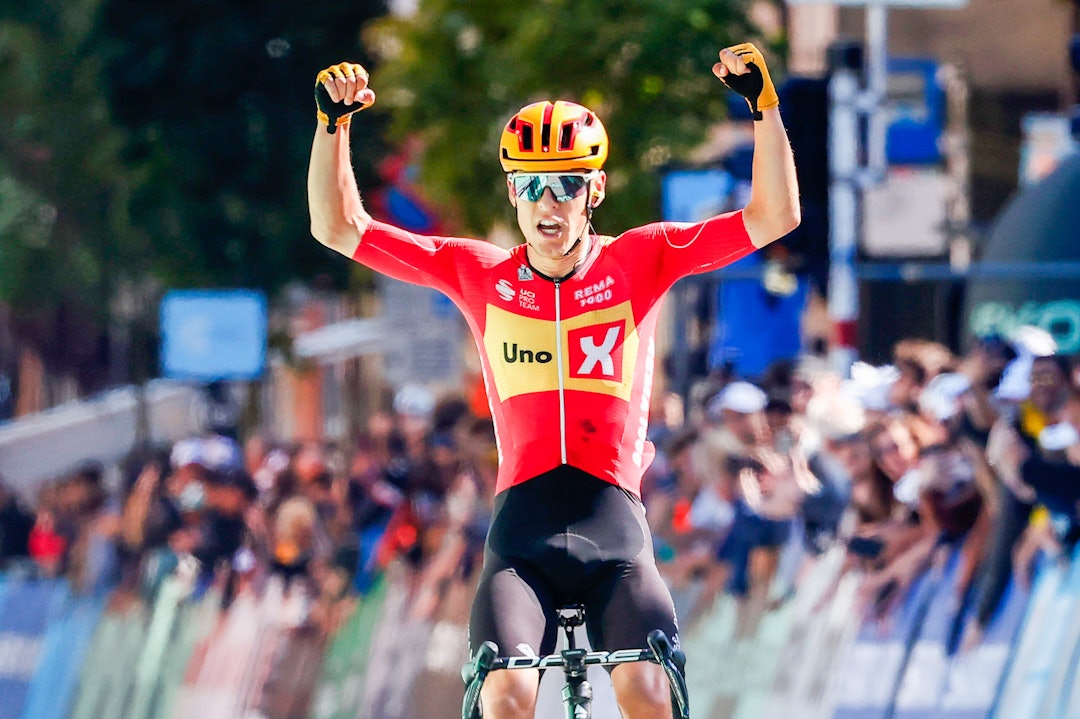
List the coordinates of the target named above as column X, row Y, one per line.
column 555, row 136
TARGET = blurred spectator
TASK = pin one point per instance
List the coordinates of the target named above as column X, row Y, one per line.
column 378, row 477
column 295, row 531
column 46, row 544
column 983, row 366
column 917, row 362
column 1013, row 440
column 16, row 523
column 768, row 500
column 689, row 515
column 149, row 517
column 222, row 529
column 92, row 524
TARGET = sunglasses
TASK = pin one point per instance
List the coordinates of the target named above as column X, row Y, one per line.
column 564, row 186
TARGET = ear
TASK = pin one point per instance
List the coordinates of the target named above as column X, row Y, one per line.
column 510, row 192
column 598, row 190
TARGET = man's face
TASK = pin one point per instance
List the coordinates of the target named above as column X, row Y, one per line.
column 551, row 227
column 1049, row 385
column 750, row 427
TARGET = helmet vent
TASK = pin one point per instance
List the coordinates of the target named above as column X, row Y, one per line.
column 524, row 132
column 566, row 136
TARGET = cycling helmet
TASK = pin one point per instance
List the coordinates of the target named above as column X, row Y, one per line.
column 555, row 136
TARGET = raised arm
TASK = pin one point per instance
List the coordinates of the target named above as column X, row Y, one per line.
column 773, row 209
column 338, row 218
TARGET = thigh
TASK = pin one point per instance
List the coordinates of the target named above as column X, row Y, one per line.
column 513, row 608
column 630, row 599
column 635, row 601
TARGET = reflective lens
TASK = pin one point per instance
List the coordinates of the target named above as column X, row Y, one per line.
column 531, row 186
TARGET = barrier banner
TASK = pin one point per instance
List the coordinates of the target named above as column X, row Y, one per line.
column 974, row 678
column 732, row 657
column 823, row 631
column 1035, row 679
column 1069, row 704
column 398, row 651
column 340, row 689
column 706, row 645
column 105, row 685
column 23, row 620
column 228, row 666
column 447, row 649
column 176, row 626
column 1063, row 667
column 868, row 676
column 926, row 665
column 70, row 629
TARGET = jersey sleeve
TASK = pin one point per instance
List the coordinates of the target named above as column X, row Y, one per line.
column 438, row 262
column 670, row 251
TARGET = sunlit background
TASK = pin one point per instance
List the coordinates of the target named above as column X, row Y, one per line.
column 159, row 284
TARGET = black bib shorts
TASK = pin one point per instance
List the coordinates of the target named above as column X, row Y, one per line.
column 566, row 537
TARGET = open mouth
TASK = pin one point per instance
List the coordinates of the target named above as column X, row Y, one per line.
column 549, row 227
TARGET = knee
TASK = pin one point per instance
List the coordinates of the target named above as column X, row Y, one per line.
column 509, row 694
column 642, row 690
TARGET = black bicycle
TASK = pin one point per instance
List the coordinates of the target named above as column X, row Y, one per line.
column 577, row 692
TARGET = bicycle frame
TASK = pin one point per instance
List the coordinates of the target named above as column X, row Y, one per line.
column 577, row 692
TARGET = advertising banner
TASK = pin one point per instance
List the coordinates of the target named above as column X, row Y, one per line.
column 23, row 619
column 1037, row 675
column 67, row 639
column 869, row 673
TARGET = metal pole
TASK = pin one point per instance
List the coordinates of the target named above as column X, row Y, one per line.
column 843, row 300
column 877, row 41
column 958, row 166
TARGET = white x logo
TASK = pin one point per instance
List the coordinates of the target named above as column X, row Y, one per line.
column 599, row 354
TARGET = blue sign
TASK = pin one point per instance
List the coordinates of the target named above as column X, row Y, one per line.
column 211, row 335
column 695, row 195
column 916, row 105
column 754, row 327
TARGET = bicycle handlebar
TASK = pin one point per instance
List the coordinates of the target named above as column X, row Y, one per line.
column 620, row 656
column 660, row 651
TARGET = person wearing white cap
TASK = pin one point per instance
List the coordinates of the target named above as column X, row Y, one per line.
column 1013, row 440
column 736, row 418
column 735, row 425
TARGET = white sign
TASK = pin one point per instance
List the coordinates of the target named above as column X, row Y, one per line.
column 424, row 340
column 904, row 216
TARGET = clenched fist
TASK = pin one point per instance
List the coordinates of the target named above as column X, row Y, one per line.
column 742, row 68
column 341, row 90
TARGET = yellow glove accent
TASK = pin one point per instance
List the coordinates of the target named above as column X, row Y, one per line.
column 759, row 98
column 336, row 114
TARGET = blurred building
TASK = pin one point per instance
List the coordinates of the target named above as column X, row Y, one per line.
column 1008, row 64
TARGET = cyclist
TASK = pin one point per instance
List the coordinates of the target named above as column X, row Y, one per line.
column 565, row 327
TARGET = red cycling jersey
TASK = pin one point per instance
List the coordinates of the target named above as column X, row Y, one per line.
column 568, row 363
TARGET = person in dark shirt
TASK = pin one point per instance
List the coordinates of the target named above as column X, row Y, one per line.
column 15, row 525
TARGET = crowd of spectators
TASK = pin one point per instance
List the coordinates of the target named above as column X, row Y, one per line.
column 410, row 495
column 934, row 455
column 898, row 464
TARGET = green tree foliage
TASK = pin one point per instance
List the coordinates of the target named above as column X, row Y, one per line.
column 217, row 98
column 454, row 72
column 157, row 141
column 63, row 234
